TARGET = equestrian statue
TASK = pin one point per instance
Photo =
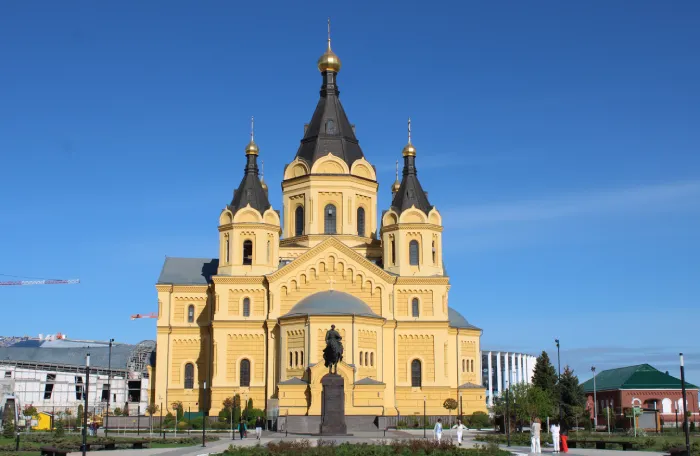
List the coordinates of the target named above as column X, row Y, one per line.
column 333, row 353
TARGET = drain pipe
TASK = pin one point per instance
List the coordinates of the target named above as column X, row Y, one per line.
column 393, row 306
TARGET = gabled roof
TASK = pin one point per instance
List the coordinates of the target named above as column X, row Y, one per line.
column 469, row 386
column 457, row 320
column 368, row 381
column 642, row 376
column 329, row 131
column 188, row 271
column 293, row 381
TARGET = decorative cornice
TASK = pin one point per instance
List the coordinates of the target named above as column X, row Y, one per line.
column 246, row 280
column 191, row 298
column 332, row 242
column 165, row 288
column 412, row 280
column 411, row 324
column 306, row 178
column 411, row 226
column 250, row 226
column 247, row 324
column 189, row 288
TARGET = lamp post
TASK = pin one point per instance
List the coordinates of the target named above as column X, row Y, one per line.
column 595, row 402
column 686, row 429
column 162, row 428
column 461, row 410
column 85, row 413
column 204, row 415
column 506, row 419
column 109, row 383
column 559, row 380
column 424, row 436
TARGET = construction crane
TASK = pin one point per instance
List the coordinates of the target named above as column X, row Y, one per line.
column 40, row 282
column 148, row 315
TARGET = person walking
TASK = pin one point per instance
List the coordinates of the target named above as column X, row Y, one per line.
column 242, row 429
column 460, row 430
column 258, row 427
column 535, row 430
column 438, row 430
column 555, row 430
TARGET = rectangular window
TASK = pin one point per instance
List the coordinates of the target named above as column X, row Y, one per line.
column 79, row 388
column 8, row 374
column 48, row 388
column 105, row 392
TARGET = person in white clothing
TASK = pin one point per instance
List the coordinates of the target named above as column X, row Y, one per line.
column 535, row 430
column 555, row 430
column 438, row 429
column 460, row 430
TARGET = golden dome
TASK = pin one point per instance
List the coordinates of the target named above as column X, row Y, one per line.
column 395, row 187
column 329, row 61
column 409, row 150
column 251, row 148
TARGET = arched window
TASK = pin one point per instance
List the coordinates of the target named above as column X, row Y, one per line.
column 434, row 253
column 360, row 358
column 296, row 359
column 415, row 310
column 189, row 376
column 463, row 365
column 361, row 221
column 366, row 358
column 301, row 358
column 190, row 314
column 415, row 374
column 472, row 366
column 371, row 359
column 246, row 307
column 329, row 214
column 268, row 252
column 291, row 360
column 393, row 251
column 248, row 252
column 413, row 255
column 228, row 249
column 299, row 221
column 245, row 372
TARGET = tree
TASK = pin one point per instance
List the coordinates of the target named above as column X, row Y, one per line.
column 479, row 420
column 151, row 410
column 69, row 413
column 8, row 427
column 58, row 429
column 79, row 416
column 572, row 397
column 450, row 404
column 545, row 376
column 117, row 412
column 125, row 410
column 179, row 410
column 227, row 410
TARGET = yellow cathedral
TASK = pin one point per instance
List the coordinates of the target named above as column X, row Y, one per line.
column 253, row 321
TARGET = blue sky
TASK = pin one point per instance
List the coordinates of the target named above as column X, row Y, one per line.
column 560, row 141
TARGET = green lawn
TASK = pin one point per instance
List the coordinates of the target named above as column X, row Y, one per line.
column 33, row 442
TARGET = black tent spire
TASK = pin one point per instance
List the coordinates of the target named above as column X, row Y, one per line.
column 329, row 131
column 250, row 191
column 410, row 192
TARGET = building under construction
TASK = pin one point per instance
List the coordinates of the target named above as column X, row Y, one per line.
column 49, row 374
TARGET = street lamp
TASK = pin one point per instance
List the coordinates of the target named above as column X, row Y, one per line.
column 506, row 419
column 85, row 412
column 686, row 430
column 204, row 415
column 559, row 380
column 595, row 402
column 424, row 436
column 109, row 383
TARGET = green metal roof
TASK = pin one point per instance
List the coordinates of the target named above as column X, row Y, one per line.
column 642, row 376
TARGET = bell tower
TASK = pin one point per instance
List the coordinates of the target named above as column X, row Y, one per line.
column 249, row 228
column 411, row 228
column 329, row 189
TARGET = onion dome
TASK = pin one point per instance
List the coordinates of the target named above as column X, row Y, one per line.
column 329, row 61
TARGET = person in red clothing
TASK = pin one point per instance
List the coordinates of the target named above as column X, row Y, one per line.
column 564, row 438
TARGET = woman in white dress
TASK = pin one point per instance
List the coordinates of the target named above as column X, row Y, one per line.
column 438, row 430
column 460, row 430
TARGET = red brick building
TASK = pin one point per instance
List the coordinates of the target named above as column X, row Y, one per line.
column 643, row 386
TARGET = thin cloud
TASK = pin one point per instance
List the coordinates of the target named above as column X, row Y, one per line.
column 623, row 200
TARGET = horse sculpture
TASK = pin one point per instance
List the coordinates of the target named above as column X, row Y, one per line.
column 333, row 353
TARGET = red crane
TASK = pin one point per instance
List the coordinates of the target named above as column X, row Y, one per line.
column 148, row 315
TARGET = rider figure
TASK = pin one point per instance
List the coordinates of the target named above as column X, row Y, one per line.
column 334, row 347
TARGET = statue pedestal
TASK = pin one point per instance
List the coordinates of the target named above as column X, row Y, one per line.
column 333, row 405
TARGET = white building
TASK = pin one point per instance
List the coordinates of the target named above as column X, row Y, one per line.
column 500, row 369
column 50, row 375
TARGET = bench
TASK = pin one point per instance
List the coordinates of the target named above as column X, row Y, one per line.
column 601, row 444
column 53, row 451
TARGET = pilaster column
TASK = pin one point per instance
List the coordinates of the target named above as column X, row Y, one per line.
column 507, row 371
column 490, row 374
column 521, row 377
column 499, row 376
column 514, row 379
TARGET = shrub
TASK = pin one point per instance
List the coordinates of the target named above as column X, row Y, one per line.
column 183, row 425
column 479, row 420
column 58, row 429
column 8, row 428
column 401, row 424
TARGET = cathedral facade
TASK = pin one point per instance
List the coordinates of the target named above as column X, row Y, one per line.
column 253, row 321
